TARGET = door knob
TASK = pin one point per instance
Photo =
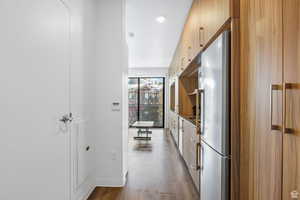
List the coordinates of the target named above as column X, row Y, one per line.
column 66, row 118
column 65, row 121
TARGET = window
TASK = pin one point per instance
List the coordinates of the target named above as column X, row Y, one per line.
column 146, row 100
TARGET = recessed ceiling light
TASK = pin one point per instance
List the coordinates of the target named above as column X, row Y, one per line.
column 161, row 19
column 131, row 34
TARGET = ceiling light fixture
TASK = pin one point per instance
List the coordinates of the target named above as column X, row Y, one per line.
column 131, row 34
column 161, row 19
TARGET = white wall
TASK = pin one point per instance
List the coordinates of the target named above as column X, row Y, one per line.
column 83, row 66
column 100, row 54
column 111, row 75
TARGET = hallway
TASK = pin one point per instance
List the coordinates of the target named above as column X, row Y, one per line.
column 156, row 172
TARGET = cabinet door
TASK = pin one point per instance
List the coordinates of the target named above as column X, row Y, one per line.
column 184, row 48
column 261, row 148
column 177, row 94
column 214, row 13
column 186, row 143
column 206, row 20
column 175, row 130
column 291, row 138
column 189, row 150
column 198, row 26
column 193, row 26
column 170, row 121
column 268, row 143
column 193, row 154
column 178, row 57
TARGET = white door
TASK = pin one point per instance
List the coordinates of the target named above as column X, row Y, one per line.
column 34, row 95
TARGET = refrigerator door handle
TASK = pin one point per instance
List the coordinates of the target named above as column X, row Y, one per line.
column 199, row 109
column 198, row 166
column 202, row 111
column 201, row 158
column 198, row 129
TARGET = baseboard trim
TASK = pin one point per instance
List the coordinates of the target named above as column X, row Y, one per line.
column 125, row 178
column 85, row 190
column 87, row 195
column 109, row 182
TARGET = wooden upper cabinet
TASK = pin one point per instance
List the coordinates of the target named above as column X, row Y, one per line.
column 184, row 48
column 180, row 57
column 291, row 138
column 213, row 14
column 193, row 31
column 205, row 18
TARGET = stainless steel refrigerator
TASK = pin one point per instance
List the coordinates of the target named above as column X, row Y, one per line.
column 214, row 119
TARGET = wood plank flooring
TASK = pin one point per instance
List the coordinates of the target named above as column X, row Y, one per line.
column 156, row 172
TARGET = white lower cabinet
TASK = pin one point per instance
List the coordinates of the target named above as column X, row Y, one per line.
column 190, row 141
column 174, row 126
column 184, row 133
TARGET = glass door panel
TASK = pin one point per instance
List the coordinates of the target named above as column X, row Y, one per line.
column 133, row 100
column 146, row 100
column 152, row 100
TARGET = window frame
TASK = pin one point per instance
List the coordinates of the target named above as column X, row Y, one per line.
column 138, row 98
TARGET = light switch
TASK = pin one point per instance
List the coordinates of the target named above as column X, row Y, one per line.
column 116, row 106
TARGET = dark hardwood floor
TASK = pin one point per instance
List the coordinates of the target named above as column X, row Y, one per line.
column 156, row 172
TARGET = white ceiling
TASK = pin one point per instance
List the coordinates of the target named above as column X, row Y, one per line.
column 153, row 44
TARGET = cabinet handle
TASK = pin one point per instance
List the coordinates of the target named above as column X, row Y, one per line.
column 189, row 53
column 201, row 30
column 182, row 61
column 288, row 86
column 182, row 126
column 274, row 88
column 198, row 166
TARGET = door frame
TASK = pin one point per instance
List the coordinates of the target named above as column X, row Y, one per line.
column 138, row 97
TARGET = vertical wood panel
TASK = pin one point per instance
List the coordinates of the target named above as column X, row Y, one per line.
column 261, row 152
column 291, row 142
column 248, row 100
column 235, row 110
